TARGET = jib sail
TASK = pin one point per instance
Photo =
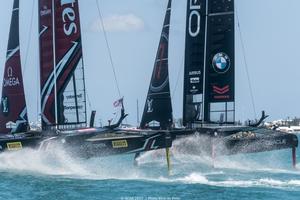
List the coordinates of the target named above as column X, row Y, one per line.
column 61, row 65
column 158, row 107
column 13, row 111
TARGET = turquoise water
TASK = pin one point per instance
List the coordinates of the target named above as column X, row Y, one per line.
column 29, row 174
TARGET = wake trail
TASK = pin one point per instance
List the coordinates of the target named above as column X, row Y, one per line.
column 257, row 170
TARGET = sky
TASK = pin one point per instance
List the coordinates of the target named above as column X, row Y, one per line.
column 270, row 33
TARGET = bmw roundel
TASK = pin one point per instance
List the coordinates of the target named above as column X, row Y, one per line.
column 221, row 62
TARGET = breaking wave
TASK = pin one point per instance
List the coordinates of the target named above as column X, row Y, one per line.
column 196, row 178
column 43, row 162
column 272, row 169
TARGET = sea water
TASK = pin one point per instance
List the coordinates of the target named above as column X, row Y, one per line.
column 30, row 174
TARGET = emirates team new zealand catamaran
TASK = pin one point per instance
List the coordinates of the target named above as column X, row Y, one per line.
column 209, row 97
column 63, row 98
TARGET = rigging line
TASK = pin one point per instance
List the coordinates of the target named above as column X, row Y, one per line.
column 38, row 114
column 26, row 57
column 38, row 111
column 108, row 48
column 38, row 88
column 246, row 64
column 88, row 99
column 29, row 37
column 178, row 77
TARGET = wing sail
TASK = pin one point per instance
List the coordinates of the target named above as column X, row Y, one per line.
column 158, row 105
column 62, row 70
column 13, row 112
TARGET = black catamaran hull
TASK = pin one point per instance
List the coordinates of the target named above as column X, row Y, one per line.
column 106, row 144
column 230, row 141
column 20, row 141
column 263, row 143
column 91, row 143
column 87, row 143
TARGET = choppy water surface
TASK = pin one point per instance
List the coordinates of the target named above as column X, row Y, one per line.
column 29, row 174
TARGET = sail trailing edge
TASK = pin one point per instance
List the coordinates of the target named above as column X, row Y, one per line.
column 13, row 112
column 62, row 72
column 158, row 107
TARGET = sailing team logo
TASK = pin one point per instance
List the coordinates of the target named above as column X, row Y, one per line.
column 221, row 90
column 221, row 63
column 149, row 105
column 160, row 77
column 11, row 80
column 4, row 105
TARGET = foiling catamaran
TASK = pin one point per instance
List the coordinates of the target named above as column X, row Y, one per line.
column 63, row 98
column 209, row 85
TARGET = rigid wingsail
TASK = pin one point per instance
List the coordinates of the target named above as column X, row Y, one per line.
column 61, row 65
column 158, row 106
column 209, row 87
column 13, row 112
column 209, row 84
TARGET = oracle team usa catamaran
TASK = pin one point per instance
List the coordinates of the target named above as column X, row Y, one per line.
column 209, row 87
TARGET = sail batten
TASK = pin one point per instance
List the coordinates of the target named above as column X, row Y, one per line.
column 13, row 112
column 158, row 107
column 221, row 13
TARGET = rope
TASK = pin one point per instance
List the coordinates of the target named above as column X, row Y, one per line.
column 108, row 48
column 26, row 59
column 246, row 65
column 178, row 77
column 89, row 100
column 29, row 37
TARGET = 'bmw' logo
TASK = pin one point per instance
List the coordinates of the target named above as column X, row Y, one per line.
column 221, row 62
